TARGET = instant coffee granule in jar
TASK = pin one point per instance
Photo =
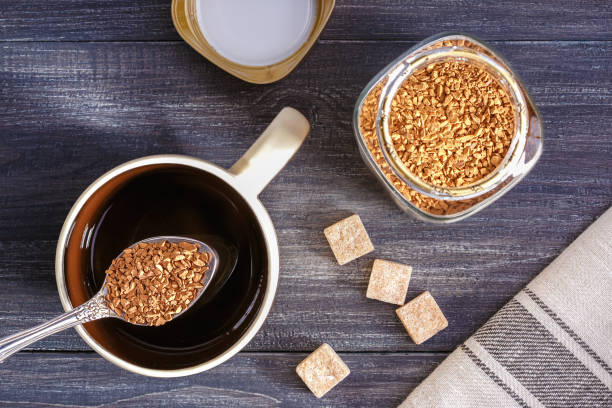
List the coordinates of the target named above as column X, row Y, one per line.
column 367, row 125
column 447, row 128
column 151, row 282
column 451, row 123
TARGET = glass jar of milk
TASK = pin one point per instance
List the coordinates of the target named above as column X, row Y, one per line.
column 258, row 41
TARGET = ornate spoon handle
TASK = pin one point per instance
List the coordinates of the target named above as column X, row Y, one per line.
column 94, row 309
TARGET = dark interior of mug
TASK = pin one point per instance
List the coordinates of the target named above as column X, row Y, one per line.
column 171, row 200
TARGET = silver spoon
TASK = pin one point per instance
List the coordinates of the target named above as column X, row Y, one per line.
column 96, row 307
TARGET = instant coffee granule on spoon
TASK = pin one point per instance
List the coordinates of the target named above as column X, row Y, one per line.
column 151, row 282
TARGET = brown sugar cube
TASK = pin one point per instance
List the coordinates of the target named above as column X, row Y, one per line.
column 389, row 282
column 348, row 239
column 322, row 370
column 422, row 317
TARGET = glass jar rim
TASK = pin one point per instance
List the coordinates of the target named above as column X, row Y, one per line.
column 482, row 186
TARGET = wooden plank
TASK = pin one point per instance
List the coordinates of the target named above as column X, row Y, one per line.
column 116, row 20
column 249, row 380
column 71, row 111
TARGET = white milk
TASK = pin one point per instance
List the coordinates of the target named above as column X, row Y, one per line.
column 256, row 32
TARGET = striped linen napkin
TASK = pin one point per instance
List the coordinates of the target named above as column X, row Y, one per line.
column 550, row 346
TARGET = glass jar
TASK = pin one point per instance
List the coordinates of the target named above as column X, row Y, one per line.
column 185, row 19
column 435, row 203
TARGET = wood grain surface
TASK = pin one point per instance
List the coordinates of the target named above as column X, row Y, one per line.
column 248, row 380
column 87, row 85
column 147, row 20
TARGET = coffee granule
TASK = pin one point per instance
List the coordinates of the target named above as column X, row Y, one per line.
column 451, row 123
column 151, row 282
column 367, row 126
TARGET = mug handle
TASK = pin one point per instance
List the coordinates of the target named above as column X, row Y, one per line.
column 271, row 151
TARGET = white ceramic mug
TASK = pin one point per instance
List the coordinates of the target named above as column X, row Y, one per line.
column 244, row 180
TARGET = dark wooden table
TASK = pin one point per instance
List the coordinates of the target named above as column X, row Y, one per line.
column 86, row 85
